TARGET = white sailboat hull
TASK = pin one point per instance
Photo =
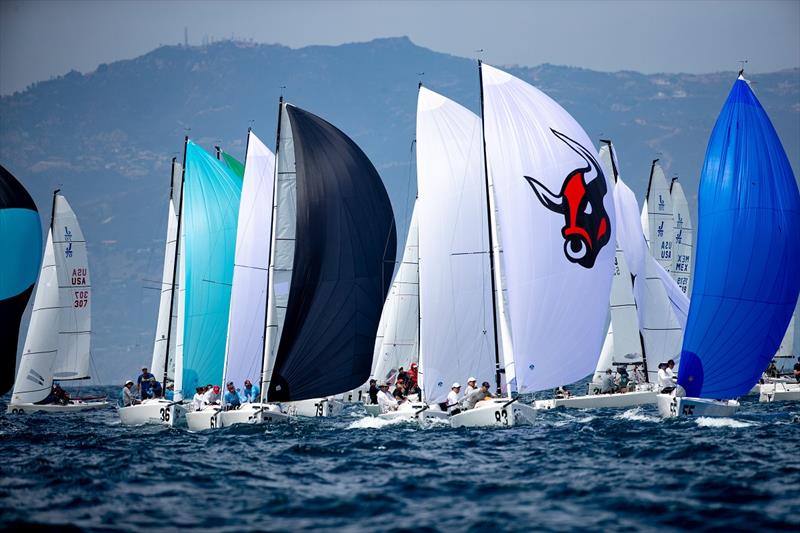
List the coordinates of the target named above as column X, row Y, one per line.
column 672, row 406
column 249, row 413
column 372, row 409
column 315, row 407
column 597, row 401
column 412, row 411
column 499, row 412
column 156, row 411
column 72, row 407
column 779, row 392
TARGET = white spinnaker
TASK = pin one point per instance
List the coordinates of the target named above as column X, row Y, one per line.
column 284, row 215
column 659, row 215
column 786, row 358
column 72, row 269
column 661, row 305
column 556, row 307
column 35, row 373
column 457, row 337
column 159, row 360
column 400, row 341
column 683, row 233
column 245, row 347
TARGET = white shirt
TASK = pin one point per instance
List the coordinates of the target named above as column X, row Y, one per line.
column 198, row 402
column 664, row 379
column 452, row 401
column 210, row 397
column 386, row 401
column 671, row 375
column 638, row 377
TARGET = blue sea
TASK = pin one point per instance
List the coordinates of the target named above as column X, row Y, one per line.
column 599, row 470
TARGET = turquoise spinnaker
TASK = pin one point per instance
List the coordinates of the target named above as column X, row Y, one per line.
column 211, row 210
column 747, row 270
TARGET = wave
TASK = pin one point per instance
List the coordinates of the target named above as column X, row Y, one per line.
column 711, row 422
column 637, row 415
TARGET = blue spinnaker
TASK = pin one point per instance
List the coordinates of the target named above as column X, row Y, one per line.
column 211, row 210
column 747, row 260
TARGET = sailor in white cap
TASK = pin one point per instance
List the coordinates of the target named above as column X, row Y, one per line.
column 453, row 405
column 127, row 395
column 385, row 400
column 472, row 386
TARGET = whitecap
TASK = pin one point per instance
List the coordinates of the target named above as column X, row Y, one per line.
column 373, row 422
column 637, row 415
column 711, row 422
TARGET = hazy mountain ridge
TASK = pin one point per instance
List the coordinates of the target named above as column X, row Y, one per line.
column 107, row 137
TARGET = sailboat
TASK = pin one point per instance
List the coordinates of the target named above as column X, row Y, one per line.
column 57, row 346
column 21, row 234
column 332, row 236
column 746, row 281
column 162, row 410
column 784, row 388
column 549, row 209
column 245, row 340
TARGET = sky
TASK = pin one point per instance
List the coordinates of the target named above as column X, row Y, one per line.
column 43, row 39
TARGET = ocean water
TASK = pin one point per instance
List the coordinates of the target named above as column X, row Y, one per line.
column 573, row 470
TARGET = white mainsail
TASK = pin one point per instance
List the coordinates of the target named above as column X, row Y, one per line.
column 659, row 217
column 160, row 345
column 557, row 273
column 245, row 346
column 399, row 345
column 35, row 373
column 75, row 290
column 683, row 248
column 284, row 215
column 622, row 344
column 457, row 337
column 179, row 310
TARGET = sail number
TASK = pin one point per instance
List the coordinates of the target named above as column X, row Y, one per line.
column 164, row 414
column 81, row 299
column 501, row 417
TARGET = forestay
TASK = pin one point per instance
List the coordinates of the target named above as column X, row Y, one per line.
column 457, row 337
column 35, row 374
column 556, row 219
column 211, row 206
column 399, row 344
column 747, row 267
column 344, row 238
column 75, row 298
column 245, row 347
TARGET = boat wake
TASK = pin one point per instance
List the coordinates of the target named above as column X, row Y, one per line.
column 710, row 422
column 373, row 422
column 636, row 414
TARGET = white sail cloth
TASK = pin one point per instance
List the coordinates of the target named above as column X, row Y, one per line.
column 245, row 346
column 556, row 258
column 160, row 345
column 662, row 307
column 683, row 234
column 399, row 324
column 72, row 268
column 457, row 331
column 35, row 373
column 660, row 224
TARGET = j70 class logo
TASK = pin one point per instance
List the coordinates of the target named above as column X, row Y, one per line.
column 587, row 227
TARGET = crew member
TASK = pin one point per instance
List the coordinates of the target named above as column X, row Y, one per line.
column 476, row 396
column 453, row 405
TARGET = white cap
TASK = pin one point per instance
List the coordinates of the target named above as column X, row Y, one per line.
column 470, row 380
column 129, row 381
column 456, row 385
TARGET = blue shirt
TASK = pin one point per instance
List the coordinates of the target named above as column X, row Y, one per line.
column 251, row 394
column 144, row 383
column 232, row 398
column 169, row 395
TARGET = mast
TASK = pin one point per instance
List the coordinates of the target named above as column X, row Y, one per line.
column 177, row 251
column 491, row 222
column 650, row 182
column 270, row 269
column 218, row 150
column 53, row 208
